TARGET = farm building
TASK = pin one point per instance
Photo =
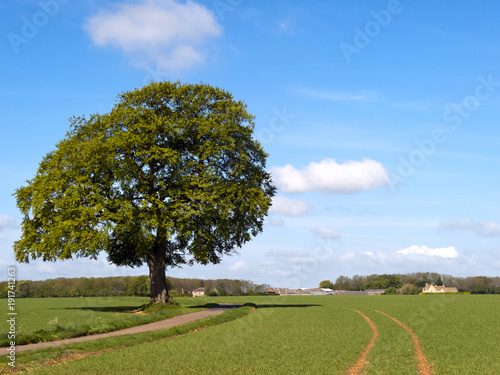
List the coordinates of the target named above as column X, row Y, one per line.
column 439, row 289
column 322, row 292
column 373, row 292
column 270, row 291
column 350, row 293
column 277, row 291
column 199, row 292
column 315, row 292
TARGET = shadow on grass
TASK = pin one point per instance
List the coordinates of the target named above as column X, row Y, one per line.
column 267, row 306
column 211, row 305
column 101, row 308
column 205, row 306
column 257, row 306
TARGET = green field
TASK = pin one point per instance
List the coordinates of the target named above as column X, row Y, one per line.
column 49, row 319
column 458, row 334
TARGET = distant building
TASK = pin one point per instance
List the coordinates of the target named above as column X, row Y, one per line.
column 321, row 292
column 350, row 293
column 373, row 292
column 439, row 289
column 270, row 291
column 315, row 291
column 199, row 292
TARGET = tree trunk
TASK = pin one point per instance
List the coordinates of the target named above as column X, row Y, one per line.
column 157, row 277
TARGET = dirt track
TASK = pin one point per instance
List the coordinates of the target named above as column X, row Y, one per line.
column 358, row 366
column 423, row 366
column 162, row 324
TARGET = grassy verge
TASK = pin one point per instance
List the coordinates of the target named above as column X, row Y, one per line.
column 51, row 319
column 36, row 359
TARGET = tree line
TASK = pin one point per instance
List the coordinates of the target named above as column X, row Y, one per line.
column 127, row 286
column 412, row 283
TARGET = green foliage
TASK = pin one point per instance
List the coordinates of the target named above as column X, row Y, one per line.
column 342, row 283
column 390, row 290
column 170, row 176
column 409, row 289
column 385, row 282
column 120, row 286
column 213, row 292
column 326, row 284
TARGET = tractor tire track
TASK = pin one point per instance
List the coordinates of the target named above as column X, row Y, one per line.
column 358, row 366
column 423, row 366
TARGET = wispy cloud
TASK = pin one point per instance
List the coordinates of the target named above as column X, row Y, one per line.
column 323, row 232
column 481, row 229
column 165, row 33
column 7, row 222
column 290, row 207
column 366, row 96
column 275, row 221
column 239, row 266
column 330, row 177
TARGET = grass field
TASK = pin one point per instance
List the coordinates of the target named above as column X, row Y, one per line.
column 458, row 334
column 49, row 319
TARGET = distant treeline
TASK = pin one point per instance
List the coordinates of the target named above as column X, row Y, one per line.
column 412, row 283
column 126, row 286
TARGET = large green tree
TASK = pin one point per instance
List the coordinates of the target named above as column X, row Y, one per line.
column 170, row 176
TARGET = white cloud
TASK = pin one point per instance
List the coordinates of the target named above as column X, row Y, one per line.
column 302, row 260
column 239, row 266
column 482, row 228
column 348, row 256
column 164, row 33
column 266, row 263
column 45, row 268
column 289, row 207
column 444, row 252
column 330, row 177
column 7, row 222
column 275, row 221
column 323, row 232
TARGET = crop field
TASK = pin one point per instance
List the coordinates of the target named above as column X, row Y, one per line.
column 448, row 334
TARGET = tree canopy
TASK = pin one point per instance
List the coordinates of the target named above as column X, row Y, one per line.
column 170, row 176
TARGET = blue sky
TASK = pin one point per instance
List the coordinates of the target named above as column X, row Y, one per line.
column 381, row 120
